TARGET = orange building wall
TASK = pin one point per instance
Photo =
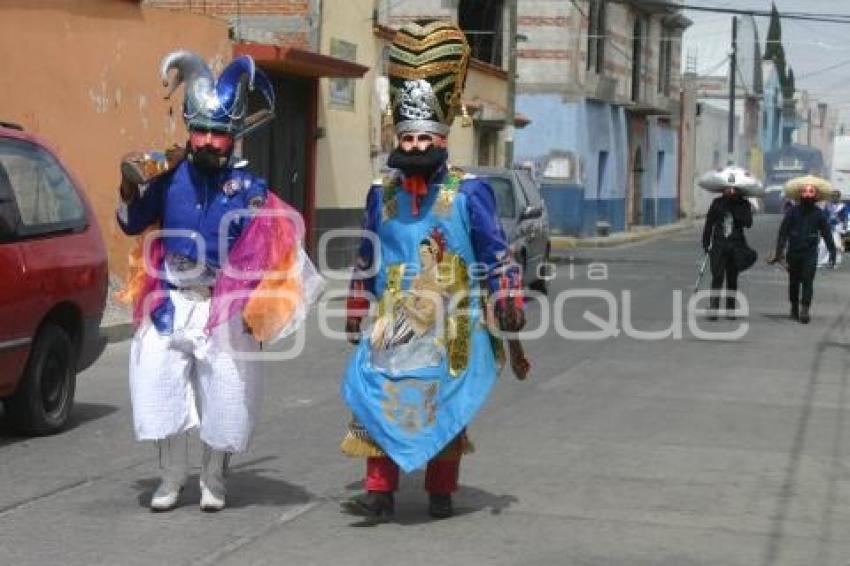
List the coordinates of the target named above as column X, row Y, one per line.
column 84, row 75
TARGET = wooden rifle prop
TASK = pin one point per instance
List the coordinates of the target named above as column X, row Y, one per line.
column 702, row 265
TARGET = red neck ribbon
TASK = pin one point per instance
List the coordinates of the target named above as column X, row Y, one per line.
column 417, row 187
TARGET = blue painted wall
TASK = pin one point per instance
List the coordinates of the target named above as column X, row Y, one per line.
column 660, row 183
column 597, row 133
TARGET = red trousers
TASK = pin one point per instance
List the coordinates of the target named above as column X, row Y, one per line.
column 440, row 477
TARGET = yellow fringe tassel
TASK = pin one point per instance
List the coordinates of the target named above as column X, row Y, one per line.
column 356, row 447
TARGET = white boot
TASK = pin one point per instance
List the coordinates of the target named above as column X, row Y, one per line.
column 213, row 469
column 174, row 461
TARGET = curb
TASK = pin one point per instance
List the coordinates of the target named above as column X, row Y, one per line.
column 561, row 243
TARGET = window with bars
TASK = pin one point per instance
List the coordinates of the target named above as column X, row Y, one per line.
column 665, row 61
column 596, row 36
column 637, row 58
column 482, row 21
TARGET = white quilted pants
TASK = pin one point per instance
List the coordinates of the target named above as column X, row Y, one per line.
column 188, row 379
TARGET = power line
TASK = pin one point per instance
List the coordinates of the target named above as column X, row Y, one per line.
column 808, row 16
column 824, row 70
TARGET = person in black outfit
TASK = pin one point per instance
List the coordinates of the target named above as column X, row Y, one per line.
column 723, row 239
column 801, row 230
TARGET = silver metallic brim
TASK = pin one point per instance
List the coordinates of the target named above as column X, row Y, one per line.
column 422, row 126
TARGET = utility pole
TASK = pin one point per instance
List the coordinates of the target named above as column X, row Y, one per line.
column 510, row 111
column 809, row 128
column 733, row 72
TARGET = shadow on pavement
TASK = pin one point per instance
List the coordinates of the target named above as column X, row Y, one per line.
column 81, row 414
column 411, row 502
column 246, row 487
column 779, row 317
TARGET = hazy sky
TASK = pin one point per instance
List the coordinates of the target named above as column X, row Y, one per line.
column 809, row 46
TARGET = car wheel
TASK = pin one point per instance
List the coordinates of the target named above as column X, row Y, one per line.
column 541, row 285
column 44, row 398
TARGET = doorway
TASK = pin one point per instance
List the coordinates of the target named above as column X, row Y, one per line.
column 637, row 188
column 279, row 152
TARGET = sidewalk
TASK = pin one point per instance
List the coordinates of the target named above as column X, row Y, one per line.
column 117, row 322
column 563, row 243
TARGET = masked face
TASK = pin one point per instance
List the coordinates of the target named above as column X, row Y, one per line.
column 419, row 153
column 809, row 194
column 210, row 149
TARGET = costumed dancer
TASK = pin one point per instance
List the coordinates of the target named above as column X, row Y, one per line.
column 723, row 234
column 225, row 273
column 427, row 363
column 800, row 233
column 837, row 213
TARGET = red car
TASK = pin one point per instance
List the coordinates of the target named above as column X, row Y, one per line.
column 53, row 284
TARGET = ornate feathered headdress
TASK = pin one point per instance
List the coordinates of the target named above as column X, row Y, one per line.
column 428, row 63
column 221, row 104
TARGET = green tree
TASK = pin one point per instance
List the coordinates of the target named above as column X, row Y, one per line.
column 775, row 51
column 788, row 89
column 773, row 46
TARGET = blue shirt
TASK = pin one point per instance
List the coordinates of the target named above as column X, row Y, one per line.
column 188, row 198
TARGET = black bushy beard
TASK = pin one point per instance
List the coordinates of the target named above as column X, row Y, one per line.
column 208, row 158
column 808, row 202
column 417, row 162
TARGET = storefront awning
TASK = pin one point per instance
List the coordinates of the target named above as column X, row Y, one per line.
column 299, row 62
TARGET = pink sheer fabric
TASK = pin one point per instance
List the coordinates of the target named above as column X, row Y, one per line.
column 145, row 283
column 273, row 233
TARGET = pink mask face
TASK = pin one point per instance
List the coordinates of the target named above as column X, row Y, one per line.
column 219, row 141
column 809, row 192
column 420, row 140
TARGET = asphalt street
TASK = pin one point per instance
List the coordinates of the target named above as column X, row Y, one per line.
column 692, row 449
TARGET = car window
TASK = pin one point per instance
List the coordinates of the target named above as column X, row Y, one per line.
column 529, row 187
column 505, row 201
column 8, row 208
column 46, row 198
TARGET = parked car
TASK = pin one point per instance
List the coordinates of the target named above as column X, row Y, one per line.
column 53, row 284
column 524, row 218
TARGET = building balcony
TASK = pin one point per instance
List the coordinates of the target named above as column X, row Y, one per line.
column 654, row 104
column 600, row 87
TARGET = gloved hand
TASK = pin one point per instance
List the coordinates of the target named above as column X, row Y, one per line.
column 352, row 329
column 174, row 155
column 510, row 315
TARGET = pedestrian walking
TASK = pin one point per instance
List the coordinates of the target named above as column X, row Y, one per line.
column 723, row 238
column 802, row 228
column 225, row 273
column 426, row 363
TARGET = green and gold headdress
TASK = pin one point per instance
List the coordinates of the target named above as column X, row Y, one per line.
column 428, row 62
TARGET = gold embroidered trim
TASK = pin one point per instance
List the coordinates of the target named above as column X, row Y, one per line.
column 415, row 29
column 422, row 43
column 415, row 60
column 425, row 71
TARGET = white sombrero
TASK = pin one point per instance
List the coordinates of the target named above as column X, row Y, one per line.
column 732, row 176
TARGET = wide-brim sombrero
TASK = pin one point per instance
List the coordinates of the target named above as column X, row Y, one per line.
column 735, row 177
column 795, row 186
